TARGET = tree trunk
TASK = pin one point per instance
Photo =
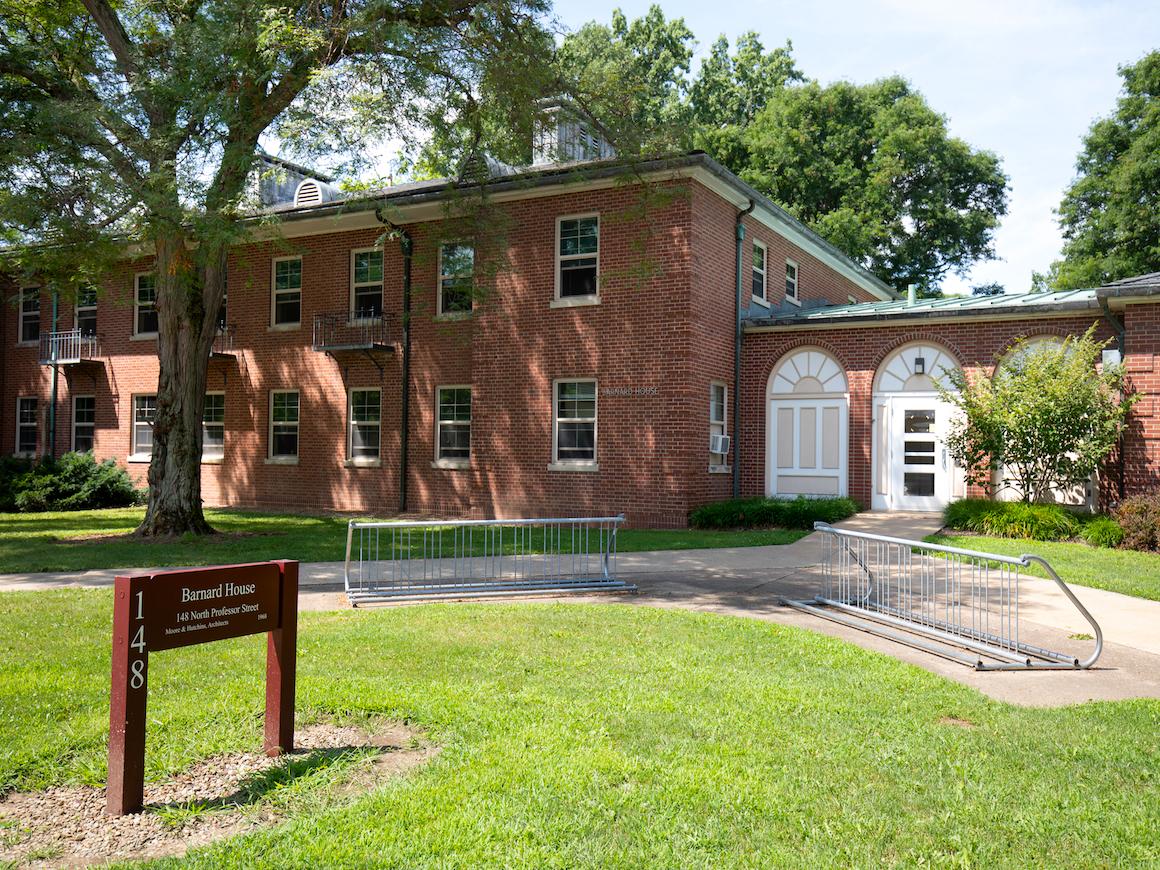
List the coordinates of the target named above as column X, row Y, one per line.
column 190, row 286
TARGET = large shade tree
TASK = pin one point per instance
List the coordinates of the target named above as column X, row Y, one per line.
column 138, row 121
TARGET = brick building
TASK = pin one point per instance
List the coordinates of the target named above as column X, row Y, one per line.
column 578, row 357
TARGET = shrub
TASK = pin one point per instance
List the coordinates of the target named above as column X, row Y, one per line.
column 11, row 469
column 76, row 481
column 752, row 513
column 1139, row 517
column 1102, row 532
column 1012, row 519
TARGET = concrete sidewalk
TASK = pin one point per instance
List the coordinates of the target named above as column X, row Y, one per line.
column 751, row 581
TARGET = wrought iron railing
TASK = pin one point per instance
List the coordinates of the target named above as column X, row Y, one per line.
column 345, row 330
column 223, row 342
column 68, row 346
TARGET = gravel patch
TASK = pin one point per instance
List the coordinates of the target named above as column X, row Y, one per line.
column 214, row 799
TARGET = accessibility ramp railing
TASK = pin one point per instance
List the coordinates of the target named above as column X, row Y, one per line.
column 388, row 561
column 964, row 605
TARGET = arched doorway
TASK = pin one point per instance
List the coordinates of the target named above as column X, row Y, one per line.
column 912, row 469
column 807, row 426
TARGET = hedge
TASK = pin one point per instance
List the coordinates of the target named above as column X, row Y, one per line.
column 74, row 482
column 752, row 513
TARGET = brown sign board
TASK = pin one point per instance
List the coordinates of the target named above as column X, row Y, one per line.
column 173, row 609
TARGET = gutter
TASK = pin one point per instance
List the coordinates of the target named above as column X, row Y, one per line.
column 886, row 318
column 739, row 234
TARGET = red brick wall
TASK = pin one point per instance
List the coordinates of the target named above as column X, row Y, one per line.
column 1141, row 451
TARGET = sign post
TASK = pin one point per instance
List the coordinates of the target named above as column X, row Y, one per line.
column 173, row 609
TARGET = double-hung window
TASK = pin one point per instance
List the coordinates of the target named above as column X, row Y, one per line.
column 84, row 423
column 575, row 423
column 213, row 426
column 145, row 305
column 718, row 400
column 286, row 294
column 453, row 436
column 366, row 290
column 87, row 310
column 759, row 282
column 284, row 424
column 26, row 426
column 577, row 257
column 791, row 280
column 456, row 274
column 363, row 433
column 30, row 314
column 144, row 413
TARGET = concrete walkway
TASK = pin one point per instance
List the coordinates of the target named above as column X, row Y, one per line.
column 751, row 581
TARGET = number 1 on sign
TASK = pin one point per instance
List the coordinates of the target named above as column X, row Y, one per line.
column 141, row 604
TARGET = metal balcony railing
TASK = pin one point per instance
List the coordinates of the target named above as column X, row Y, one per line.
column 223, row 342
column 339, row 330
column 70, row 347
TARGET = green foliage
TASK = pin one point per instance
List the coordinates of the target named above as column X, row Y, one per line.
column 1102, row 532
column 1046, row 416
column 994, row 288
column 730, row 90
column 74, row 482
column 1110, row 215
column 1139, row 517
column 755, row 513
column 1012, row 519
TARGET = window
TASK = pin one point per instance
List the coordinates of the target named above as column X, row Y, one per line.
column 84, row 424
column 453, row 438
column 284, row 424
column 26, row 426
column 30, row 314
column 287, row 294
column 578, row 253
column 87, row 310
column 145, row 305
column 791, row 280
column 213, row 426
column 575, row 422
column 456, row 273
column 759, row 271
column 718, row 400
column 144, row 412
column 365, row 414
column 366, row 284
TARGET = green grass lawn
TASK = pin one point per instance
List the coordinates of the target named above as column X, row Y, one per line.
column 586, row 735
column 79, row 540
column 1126, row 571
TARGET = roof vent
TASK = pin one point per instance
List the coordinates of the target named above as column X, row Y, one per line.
column 309, row 192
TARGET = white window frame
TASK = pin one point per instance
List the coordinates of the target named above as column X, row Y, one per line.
column 35, row 425
column 352, row 460
column 92, row 425
column 135, row 452
column 25, row 294
column 215, row 457
column 352, row 315
column 453, row 461
column 137, row 306
column 559, row 464
column 795, row 298
column 764, row 270
column 570, row 301
column 283, row 458
column 719, row 461
column 78, row 309
column 454, row 315
column 288, row 325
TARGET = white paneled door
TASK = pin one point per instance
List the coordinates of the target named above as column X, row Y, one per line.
column 807, row 447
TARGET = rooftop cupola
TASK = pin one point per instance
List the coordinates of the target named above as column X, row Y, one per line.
column 565, row 134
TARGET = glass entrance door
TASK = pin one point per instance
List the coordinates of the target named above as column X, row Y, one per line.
column 921, row 474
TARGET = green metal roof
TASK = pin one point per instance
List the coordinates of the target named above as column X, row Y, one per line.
column 1005, row 305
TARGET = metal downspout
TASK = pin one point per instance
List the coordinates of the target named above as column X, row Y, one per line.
column 407, row 246
column 740, row 237
column 55, row 381
column 1121, row 331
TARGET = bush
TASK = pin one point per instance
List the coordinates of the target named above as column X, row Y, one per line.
column 1012, row 519
column 753, row 513
column 74, row 482
column 1139, row 517
column 1102, row 532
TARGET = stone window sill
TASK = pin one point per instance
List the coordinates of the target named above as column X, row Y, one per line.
column 363, row 462
column 451, row 316
column 451, row 464
column 573, row 466
column 212, row 460
column 283, row 327
column 282, row 460
column 574, row 301
column 720, row 469
column 143, row 336
column 140, row 457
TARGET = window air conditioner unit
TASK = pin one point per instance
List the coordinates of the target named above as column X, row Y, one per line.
column 718, row 443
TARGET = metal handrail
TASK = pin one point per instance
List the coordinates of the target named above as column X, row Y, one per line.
column 68, row 345
column 350, row 329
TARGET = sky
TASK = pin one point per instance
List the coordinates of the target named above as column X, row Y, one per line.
column 1022, row 78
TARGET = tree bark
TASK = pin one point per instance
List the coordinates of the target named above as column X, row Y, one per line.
column 190, row 284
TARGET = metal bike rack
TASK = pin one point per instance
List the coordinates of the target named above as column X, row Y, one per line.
column 959, row 604
column 388, row 561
